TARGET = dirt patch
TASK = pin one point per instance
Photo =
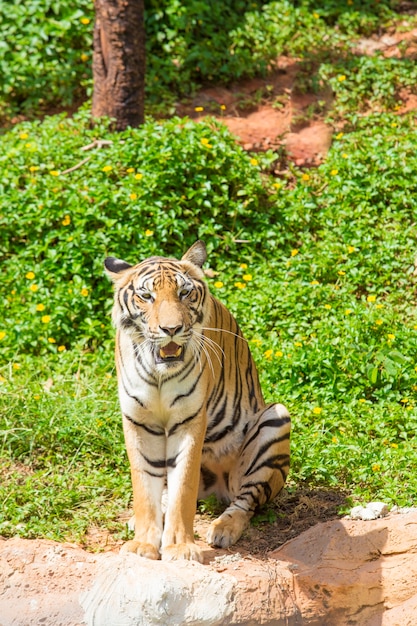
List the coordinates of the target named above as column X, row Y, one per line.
column 287, row 517
column 270, row 113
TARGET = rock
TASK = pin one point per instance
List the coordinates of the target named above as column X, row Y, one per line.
column 43, row 583
column 339, row 573
column 373, row 510
column 350, row 572
column 133, row 591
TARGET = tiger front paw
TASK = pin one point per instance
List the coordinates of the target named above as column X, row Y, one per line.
column 180, row 551
column 227, row 528
column 146, row 550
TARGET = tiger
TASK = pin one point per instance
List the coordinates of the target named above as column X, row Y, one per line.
column 194, row 419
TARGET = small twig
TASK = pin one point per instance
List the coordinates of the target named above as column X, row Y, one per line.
column 75, row 167
column 97, row 143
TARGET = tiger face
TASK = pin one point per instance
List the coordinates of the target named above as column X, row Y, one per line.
column 161, row 305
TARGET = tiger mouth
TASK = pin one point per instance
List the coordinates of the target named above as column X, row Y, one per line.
column 170, row 353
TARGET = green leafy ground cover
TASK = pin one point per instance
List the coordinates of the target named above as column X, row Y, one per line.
column 318, row 266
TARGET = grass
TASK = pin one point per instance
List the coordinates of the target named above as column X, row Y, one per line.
column 317, row 265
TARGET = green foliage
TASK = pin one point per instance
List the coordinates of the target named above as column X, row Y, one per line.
column 167, row 182
column 317, row 266
column 45, row 53
column 363, row 83
column 210, row 506
column 60, row 470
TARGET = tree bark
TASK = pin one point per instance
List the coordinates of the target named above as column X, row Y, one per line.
column 119, row 62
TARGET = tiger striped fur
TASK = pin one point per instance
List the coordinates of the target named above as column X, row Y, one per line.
column 195, row 421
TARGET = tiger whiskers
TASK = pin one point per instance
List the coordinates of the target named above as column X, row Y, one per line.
column 223, row 330
column 143, row 348
column 207, row 344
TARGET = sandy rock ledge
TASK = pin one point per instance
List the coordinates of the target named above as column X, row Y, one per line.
column 339, row 573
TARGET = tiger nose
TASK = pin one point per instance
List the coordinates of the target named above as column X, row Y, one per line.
column 171, row 330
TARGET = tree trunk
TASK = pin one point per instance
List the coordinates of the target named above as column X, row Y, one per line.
column 119, row 61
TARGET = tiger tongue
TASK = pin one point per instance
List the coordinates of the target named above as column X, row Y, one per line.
column 172, row 349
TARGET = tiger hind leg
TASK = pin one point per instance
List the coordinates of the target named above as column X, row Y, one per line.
column 258, row 476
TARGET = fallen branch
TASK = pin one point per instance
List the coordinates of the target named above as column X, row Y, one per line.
column 97, row 143
column 75, row 167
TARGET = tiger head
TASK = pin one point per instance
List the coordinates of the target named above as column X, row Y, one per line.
column 161, row 303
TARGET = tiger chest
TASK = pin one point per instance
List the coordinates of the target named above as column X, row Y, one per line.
column 164, row 404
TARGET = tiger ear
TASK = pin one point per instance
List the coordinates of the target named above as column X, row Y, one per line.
column 114, row 266
column 197, row 254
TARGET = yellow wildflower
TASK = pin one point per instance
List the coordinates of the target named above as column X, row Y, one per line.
column 305, row 177
column 328, row 306
column 84, row 57
column 66, row 221
column 341, row 273
column 133, row 196
column 351, row 249
column 379, row 322
column 16, row 366
column 334, row 172
column 2, row 334
column 247, row 277
column 107, row 168
column 85, row 20
column 218, row 284
column 244, row 266
column 341, row 78
column 30, row 275
column 223, row 107
column 61, row 348
column 46, row 319
column 34, row 288
column 138, row 176
column 279, row 354
column 294, row 252
column 314, row 282
column 198, row 109
column 268, row 353
column 391, row 337
column 317, row 410
column 51, row 340
column 240, row 285
column 348, row 311
column 376, row 467
column 33, row 168
column 40, row 307
column 371, row 299
column 254, row 162
column 84, row 292
column 148, row 233
column 130, row 170
column 54, row 173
